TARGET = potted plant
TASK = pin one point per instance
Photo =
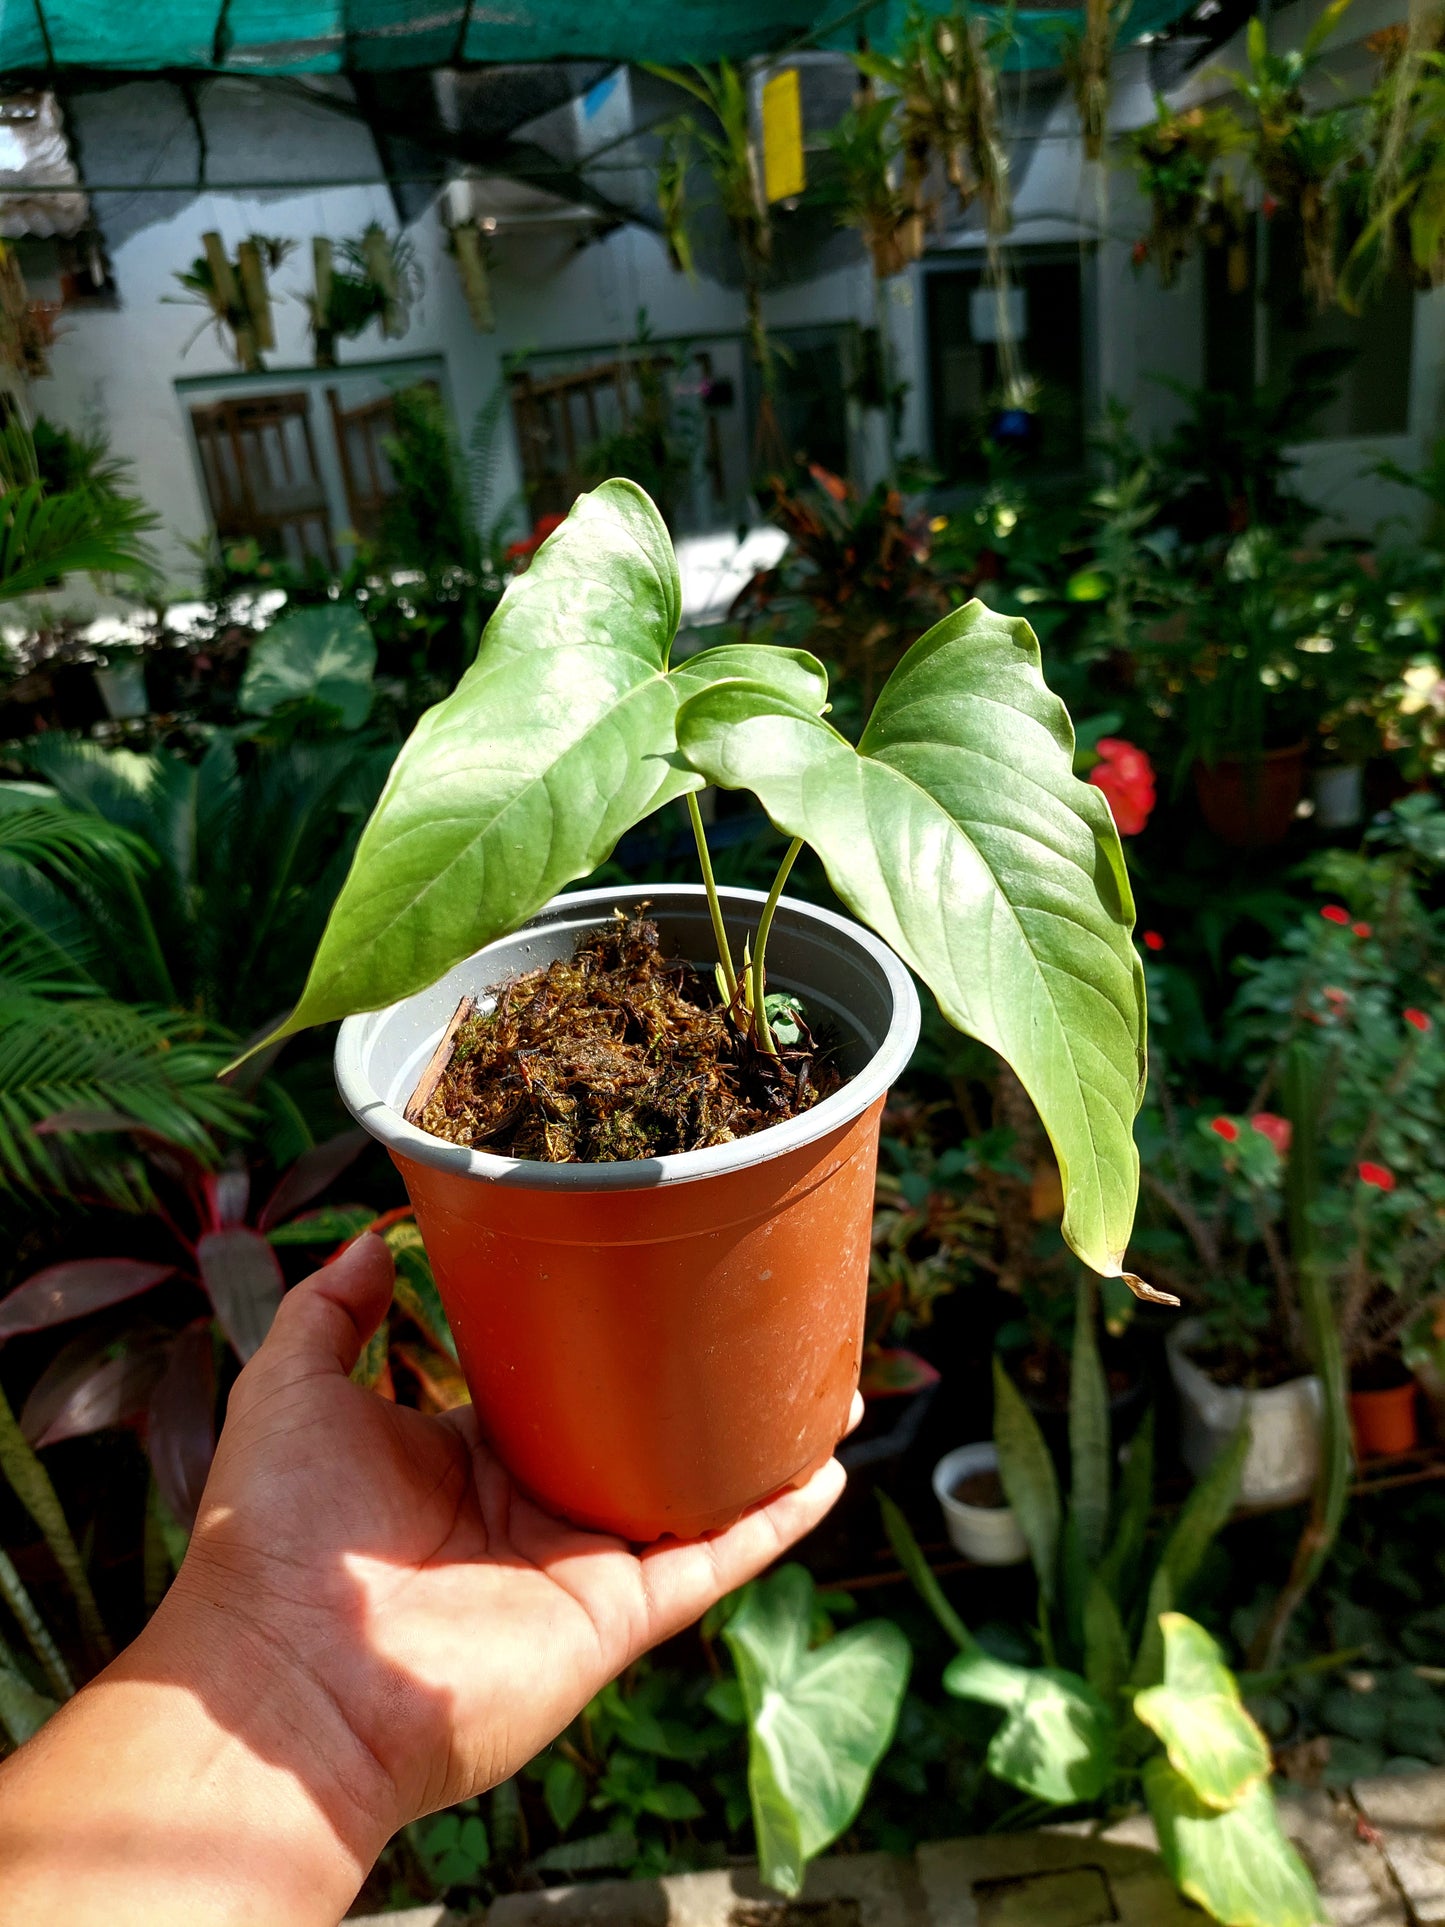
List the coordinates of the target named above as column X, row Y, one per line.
column 1175, row 158
column 372, row 278
column 235, row 294
column 979, row 1520
column 656, row 1342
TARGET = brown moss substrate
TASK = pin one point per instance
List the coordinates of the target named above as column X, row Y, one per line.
column 616, row 1053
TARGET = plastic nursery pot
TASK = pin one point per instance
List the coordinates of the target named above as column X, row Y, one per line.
column 1284, row 1425
column 987, row 1534
column 1249, row 801
column 1383, row 1423
column 654, row 1346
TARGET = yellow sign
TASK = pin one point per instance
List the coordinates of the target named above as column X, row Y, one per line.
column 783, row 176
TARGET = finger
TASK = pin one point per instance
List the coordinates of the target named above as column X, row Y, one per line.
column 855, row 1415
column 326, row 1319
column 684, row 1580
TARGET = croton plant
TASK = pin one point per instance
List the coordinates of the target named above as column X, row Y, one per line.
column 955, row 826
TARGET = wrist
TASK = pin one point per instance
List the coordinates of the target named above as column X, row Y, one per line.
column 227, row 1787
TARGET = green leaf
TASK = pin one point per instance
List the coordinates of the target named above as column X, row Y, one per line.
column 324, row 654
column 1135, row 1497
column 1237, row 1864
column 559, row 737
column 1200, row 1717
column 671, row 1801
column 959, row 831
column 1106, row 1644
column 1057, row 1738
column 1204, row 1514
column 30, row 1482
column 925, row 1580
column 565, row 1790
column 1088, row 1432
column 818, row 1722
column 1029, row 1481
column 23, row 1711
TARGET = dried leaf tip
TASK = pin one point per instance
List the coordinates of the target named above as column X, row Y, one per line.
column 1146, row 1291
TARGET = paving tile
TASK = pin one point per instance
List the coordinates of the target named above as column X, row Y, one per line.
column 1350, row 1870
column 433, row 1916
column 846, row 1890
column 1408, row 1811
column 1055, row 1878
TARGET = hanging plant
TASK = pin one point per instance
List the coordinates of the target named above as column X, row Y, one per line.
column 672, row 203
column 862, row 186
column 1301, row 157
column 235, row 293
column 372, row 278
column 947, row 88
column 469, row 251
column 1403, row 222
column 1175, row 158
column 1088, row 67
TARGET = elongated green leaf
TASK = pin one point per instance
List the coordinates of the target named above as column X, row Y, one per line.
column 1199, row 1715
column 1237, row 1864
column 1204, row 1514
column 16, row 1597
column 30, row 1482
column 558, row 739
column 958, row 830
column 925, row 1580
column 1135, row 1496
column 818, row 1722
column 1106, row 1644
column 1029, row 1481
column 1088, row 1433
column 1057, row 1738
column 325, row 653
column 23, row 1711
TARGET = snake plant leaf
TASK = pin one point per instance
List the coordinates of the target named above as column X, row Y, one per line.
column 1057, row 1738
column 1030, row 1483
column 1198, row 1713
column 559, row 737
column 959, row 831
column 1237, row 1864
column 818, row 1721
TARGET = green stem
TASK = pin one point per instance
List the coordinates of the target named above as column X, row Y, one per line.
column 12, row 1590
column 30, row 1483
column 714, row 908
column 765, row 1029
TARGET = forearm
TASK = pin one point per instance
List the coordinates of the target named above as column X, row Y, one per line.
column 192, row 1786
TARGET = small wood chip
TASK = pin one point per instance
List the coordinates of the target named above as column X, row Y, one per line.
column 1147, row 1292
column 440, row 1058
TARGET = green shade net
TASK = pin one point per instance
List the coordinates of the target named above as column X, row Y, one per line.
column 382, row 36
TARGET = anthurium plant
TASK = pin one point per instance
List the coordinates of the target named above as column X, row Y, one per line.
column 955, row 826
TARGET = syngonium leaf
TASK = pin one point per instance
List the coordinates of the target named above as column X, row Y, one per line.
column 1211, row 1740
column 958, row 830
column 1057, row 1738
column 324, row 654
column 559, row 737
column 818, row 1721
column 1237, row 1864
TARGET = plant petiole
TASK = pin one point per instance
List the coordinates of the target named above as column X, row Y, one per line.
column 760, row 1013
column 720, row 935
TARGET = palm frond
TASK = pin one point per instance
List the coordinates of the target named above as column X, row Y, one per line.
column 44, row 538
column 95, row 1055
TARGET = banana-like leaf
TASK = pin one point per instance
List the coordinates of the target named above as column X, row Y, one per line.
column 959, row 831
column 818, row 1722
column 560, row 737
column 1237, row 1864
column 1057, row 1738
column 1199, row 1715
column 1030, row 1483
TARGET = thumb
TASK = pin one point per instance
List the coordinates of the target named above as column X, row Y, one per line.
column 324, row 1321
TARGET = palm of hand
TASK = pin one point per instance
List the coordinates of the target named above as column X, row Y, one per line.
column 387, row 1554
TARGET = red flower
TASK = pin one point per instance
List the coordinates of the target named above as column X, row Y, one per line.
column 1335, row 913
column 1360, row 929
column 1126, row 776
column 1418, row 1020
column 1380, row 1175
column 543, row 526
column 1336, row 998
column 1226, row 1128
column 1276, row 1129
column 1153, row 940
column 1140, row 253
column 1269, row 207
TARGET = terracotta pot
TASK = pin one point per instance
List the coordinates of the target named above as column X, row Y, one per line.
column 1384, row 1423
column 655, row 1346
column 1249, row 801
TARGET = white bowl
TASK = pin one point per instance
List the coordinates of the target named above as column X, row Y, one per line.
column 989, row 1535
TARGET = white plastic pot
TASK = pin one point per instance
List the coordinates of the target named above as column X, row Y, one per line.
column 122, row 688
column 1339, row 796
column 1284, row 1425
column 987, row 1534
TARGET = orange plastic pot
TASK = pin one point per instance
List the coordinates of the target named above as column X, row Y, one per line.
column 652, row 1347
column 1250, row 801
column 1384, row 1423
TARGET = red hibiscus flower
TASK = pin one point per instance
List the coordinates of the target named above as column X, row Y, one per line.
column 522, row 552
column 1380, row 1175
column 1360, row 929
column 1126, row 776
column 1276, row 1129
column 1335, row 913
column 1226, row 1128
column 1153, row 940
column 1418, row 1020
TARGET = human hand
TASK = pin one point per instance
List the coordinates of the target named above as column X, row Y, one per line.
column 370, row 1618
